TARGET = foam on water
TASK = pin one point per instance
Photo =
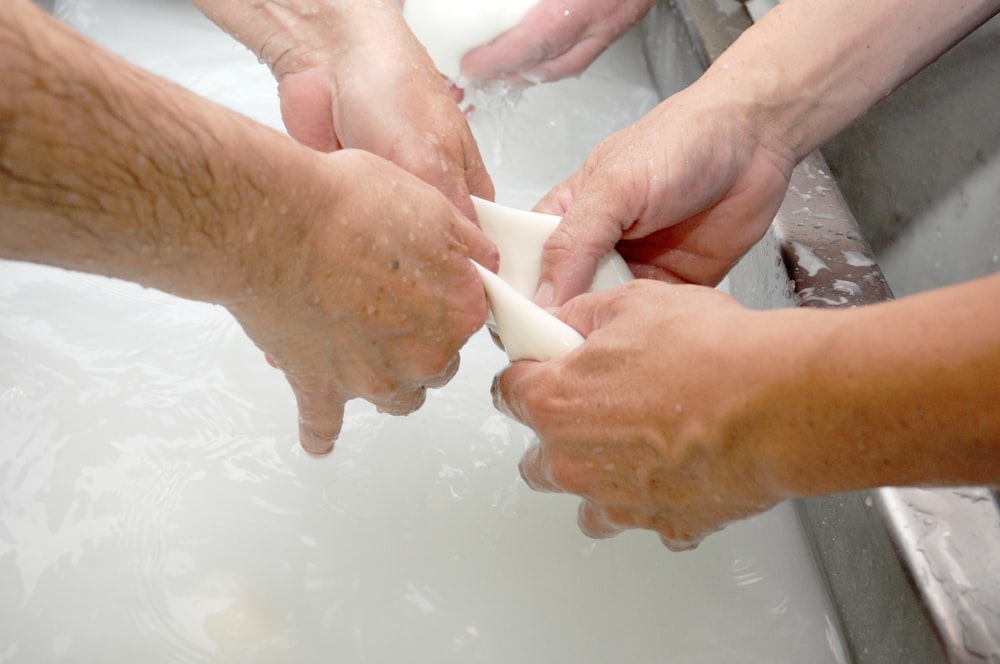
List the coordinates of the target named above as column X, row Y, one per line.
column 155, row 505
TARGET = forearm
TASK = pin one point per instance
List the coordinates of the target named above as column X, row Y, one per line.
column 292, row 35
column 810, row 67
column 901, row 393
column 108, row 169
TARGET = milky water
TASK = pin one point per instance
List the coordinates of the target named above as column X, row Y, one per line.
column 155, row 505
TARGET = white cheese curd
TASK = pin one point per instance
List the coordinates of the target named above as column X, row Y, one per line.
column 449, row 29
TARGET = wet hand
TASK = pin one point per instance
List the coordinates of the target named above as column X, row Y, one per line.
column 352, row 75
column 392, row 103
column 682, row 194
column 642, row 421
column 373, row 299
column 556, row 39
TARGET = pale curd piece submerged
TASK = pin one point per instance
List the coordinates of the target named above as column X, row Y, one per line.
column 449, row 29
column 527, row 331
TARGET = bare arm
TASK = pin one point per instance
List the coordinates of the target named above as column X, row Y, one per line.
column 910, row 400
column 108, row 170
column 684, row 411
column 335, row 265
column 351, row 74
column 686, row 190
column 808, row 68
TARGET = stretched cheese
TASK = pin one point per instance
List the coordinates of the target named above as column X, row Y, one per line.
column 527, row 331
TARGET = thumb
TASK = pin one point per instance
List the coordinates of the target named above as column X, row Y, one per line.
column 570, row 255
column 321, row 415
column 590, row 311
column 306, row 100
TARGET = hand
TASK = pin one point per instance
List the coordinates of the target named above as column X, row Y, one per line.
column 372, row 297
column 682, row 194
column 642, row 421
column 389, row 101
column 350, row 273
column 556, row 39
column 352, row 75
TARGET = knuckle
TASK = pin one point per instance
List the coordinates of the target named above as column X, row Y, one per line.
column 379, row 386
column 567, row 476
column 623, row 517
column 562, row 243
column 402, row 403
column 432, row 362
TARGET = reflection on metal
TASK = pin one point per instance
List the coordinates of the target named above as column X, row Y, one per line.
column 827, row 258
column 915, row 574
column 951, row 539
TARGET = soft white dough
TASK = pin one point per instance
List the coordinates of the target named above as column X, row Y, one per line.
column 520, row 236
column 527, row 331
column 449, row 29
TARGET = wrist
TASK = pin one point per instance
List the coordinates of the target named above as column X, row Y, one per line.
column 299, row 35
column 779, row 411
column 808, row 68
column 283, row 200
column 293, row 35
column 790, row 109
column 296, row 39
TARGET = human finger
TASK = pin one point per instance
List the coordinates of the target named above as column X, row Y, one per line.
column 590, row 311
column 586, row 233
column 321, row 415
column 305, row 99
column 497, row 341
column 536, row 471
column 508, row 54
column 441, row 379
column 480, row 248
column 477, row 178
column 595, row 522
column 679, row 544
column 457, row 176
column 570, row 62
column 402, row 401
column 507, row 389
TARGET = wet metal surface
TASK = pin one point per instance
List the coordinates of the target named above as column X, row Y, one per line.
column 915, row 573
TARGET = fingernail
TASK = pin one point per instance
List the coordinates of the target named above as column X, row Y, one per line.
column 317, row 452
column 545, row 295
column 313, row 443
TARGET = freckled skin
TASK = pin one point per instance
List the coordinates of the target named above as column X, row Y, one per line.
column 764, row 413
column 110, row 170
column 350, row 74
column 713, row 412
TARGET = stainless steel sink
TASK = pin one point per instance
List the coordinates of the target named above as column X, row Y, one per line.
column 914, row 574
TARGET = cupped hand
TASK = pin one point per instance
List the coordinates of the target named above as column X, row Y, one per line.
column 389, row 101
column 556, row 39
column 366, row 290
column 643, row 421
column 682, row 194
